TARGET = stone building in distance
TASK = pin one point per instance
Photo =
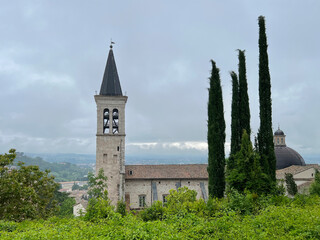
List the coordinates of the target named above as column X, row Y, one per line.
column 141, row 185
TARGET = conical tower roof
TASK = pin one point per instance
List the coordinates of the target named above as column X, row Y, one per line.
column 110, row 83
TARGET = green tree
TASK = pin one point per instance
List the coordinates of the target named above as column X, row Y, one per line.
column 235, row 124
column 97, row 185
column 75, row 187
column 315, row 186
column 244, row 109
column 291, row 184
column 216, row 136
column 265, row 134
column 25, row 191
column 65, row 203
column 66, row 208
column 99, row 205
column 247, row 173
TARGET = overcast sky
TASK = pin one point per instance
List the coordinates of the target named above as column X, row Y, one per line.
column 53, row 55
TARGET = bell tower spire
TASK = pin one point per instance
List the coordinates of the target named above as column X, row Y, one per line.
column 110, row 137
column 110, row 85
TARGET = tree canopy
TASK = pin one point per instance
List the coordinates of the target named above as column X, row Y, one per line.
column 25, row 191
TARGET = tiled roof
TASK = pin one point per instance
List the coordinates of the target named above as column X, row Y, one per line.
column 192, row 171
column 183, row 171
column 294, row 169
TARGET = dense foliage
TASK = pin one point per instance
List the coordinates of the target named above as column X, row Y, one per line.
column 99, row 205
column 265, row 134
column 239, row 216
column 25, row 191
column 292, row 188
column 247, row 173
column 65, row 204
column 216, row 136
column 63, row 172
column 315, row 186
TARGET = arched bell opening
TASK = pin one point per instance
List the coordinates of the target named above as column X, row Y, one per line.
column 115, row 121
column 106, row 118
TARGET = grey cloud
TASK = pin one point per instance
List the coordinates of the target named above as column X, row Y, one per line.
column 53, row 54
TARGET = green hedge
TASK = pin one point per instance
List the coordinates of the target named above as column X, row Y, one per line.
column 273, row 222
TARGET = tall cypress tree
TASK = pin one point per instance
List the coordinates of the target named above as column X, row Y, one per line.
column 216, row 136
column 235, row 123
column 265, row 135
column 244, row 109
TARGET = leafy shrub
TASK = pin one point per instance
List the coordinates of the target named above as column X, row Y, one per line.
column 315, row 186
column 98, row 208
column 180, row 201
column 213, row 206
column 121, row 208
column 155, row 212
column 246, row 203
column 8, row 226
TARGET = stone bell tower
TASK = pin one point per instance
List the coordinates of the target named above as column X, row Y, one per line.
column 111, row 130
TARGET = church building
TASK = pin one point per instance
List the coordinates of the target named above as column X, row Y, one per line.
column 138, row 185
column 141, row 185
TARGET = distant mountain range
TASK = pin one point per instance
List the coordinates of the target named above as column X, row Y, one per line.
column 90, row 159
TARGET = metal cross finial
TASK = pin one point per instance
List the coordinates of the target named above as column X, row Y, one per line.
column 111, row 42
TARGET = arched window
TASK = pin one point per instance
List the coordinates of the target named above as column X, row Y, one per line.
column 115, row 121
column 106, row 118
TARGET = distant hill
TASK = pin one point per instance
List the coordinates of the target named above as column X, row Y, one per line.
column 74, row 158
column 63, row 171
column 90, row 159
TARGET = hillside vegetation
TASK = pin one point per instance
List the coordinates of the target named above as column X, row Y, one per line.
column 63, row 172
column 297, row 219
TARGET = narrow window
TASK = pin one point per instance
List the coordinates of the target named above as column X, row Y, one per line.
column 106, row 120
column 164, row 199
column 130, row 172
column 282, row 140
column 115, row 121
column 142, row 200
column 105, row 158
column 118, row 148
column 278, row 140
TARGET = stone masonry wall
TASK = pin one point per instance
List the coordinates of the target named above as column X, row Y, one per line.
column 110, row 148
column 134, row 188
